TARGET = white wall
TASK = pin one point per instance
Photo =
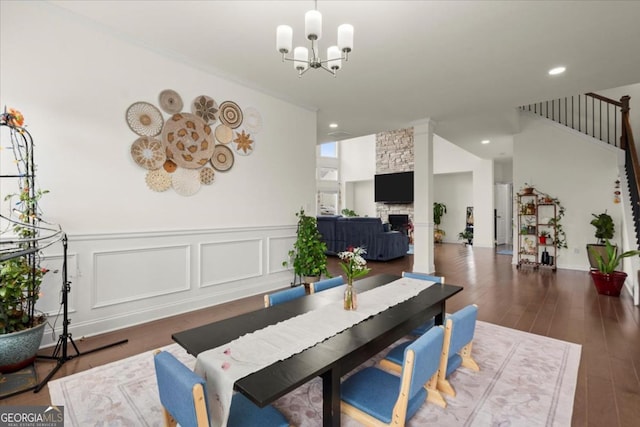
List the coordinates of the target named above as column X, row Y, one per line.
column 357, row 169
column 135, row 254
column 449, row 158
column 578, row 170
column 455, row 190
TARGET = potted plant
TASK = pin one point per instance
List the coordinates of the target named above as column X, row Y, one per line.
column 466, row 235
column 21, row 326
column 605, row 229
column 542, row 237
column 439, row 209
column 607, row 280
column 308, row 254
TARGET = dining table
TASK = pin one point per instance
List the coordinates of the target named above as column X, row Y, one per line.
column 331, row 358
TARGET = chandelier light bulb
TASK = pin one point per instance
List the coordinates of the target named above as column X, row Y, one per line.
column 301, row 58
column 313, row 25
column 333, row 57
column 284, row 38
column 345, row 37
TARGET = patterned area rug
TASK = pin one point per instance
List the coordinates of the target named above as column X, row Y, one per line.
column 524, row 379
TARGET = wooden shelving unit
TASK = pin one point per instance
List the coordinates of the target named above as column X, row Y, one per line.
column 536, row 217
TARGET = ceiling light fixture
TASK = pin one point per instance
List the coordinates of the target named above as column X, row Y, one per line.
column 485, row 141
column 333, row 125
column 302, row 61
column 556, row 71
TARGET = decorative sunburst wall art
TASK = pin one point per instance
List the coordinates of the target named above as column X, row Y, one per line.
column 185, row 150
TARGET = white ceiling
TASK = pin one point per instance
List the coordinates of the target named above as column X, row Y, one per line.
column 464, row 64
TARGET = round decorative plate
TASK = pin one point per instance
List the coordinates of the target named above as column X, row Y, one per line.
column 243, row 144
column 170, row 166
column 230, row 114
column 158, row 180
column 144, row 119
column 186, row 182
column 224, row 134
column 170, row 101
column 148, row 152
column 252, row 121
column 222, row 159
column 188, row 140
column 207, row 175
column 205, row 108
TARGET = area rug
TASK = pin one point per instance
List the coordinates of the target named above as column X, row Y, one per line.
column 505, row 252
column 524, row 379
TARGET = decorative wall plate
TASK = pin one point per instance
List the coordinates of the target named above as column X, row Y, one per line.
column 206, row 108
column 170, row 166
column 144, row 119
column 230, row 114
column 252, row 120
column 224, row 134
column 186, row 182
column 148, row 152
column 243, row 144
column 170, row 101
column 207, row 175
column 188, row 140
column 222, row 159
column 158, row 180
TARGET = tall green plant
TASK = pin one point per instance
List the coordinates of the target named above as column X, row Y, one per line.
column 439, row 209
column 308, row 253
column 605, row 228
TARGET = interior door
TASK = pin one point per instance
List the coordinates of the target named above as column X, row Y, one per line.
column 504, row 214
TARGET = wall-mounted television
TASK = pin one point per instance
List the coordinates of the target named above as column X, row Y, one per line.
column 394, row 187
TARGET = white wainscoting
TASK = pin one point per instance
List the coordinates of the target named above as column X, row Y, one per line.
column 124, row 279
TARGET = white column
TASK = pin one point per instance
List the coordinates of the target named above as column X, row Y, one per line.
column 423, row 196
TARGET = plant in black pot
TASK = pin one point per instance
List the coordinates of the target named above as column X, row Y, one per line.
column 308, row 254
column 466, row 235
column 607, row 280
column 605, row 229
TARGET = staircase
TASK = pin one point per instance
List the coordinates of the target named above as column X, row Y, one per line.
column 608, row 121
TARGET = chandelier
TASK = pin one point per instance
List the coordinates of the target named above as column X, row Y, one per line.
column 302, row 60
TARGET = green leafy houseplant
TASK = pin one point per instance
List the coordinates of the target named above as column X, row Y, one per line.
column 21, row 277
column 607, row 280
column 349, row 212
column 439, row 209
column 605, row 228
column 608, row 264
column 466, row 235
column 308, row 254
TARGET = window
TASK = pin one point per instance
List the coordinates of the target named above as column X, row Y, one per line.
column 329, row 149
column 327, row 173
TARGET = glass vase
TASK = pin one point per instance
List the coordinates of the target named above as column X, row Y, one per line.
column 350, row 297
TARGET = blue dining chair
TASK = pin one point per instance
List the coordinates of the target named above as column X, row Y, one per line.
column 421, row 276
column 459, row 330
column 283, row 296
column 325, row 284
column 184, row 401
column 376, row 397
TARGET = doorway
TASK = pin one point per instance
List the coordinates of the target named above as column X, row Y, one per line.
column 504, row 213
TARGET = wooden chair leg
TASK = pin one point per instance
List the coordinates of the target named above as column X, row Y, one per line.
column 168, row 419
column 443, row 384
column 467, row 359
column 434, row 395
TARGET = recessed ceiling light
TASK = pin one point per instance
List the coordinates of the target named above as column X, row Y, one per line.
column 556, row 71
column 333, row 125
column 485, row 141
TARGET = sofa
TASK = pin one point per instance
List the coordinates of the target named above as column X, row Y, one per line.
column 340, row 232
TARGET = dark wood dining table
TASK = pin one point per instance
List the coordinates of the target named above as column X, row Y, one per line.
column 329, row 359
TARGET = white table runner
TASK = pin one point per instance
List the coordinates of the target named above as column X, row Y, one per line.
column 223, row 366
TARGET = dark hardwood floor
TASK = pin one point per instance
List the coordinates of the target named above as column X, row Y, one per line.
column 562, row 305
